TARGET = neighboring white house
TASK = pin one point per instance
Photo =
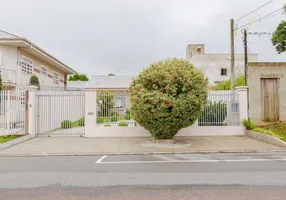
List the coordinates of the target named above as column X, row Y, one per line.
column 20, row 58
column 216, row 66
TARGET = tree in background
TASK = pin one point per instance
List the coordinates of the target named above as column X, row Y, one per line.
column 167, row 96
column 279, row 36
column 78, row 77
column 34, row 80
column 226, row 85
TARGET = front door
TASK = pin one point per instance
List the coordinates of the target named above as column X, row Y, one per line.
column 270, row 99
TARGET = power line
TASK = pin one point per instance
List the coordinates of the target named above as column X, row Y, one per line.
column 255, row 10
column 260, row 19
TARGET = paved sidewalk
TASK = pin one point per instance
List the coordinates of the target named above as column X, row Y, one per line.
column 99, row 146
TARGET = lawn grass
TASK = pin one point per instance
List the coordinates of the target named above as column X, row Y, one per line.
column 276, row 130
column 4, row 139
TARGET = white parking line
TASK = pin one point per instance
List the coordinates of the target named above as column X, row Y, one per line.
column 99, row 161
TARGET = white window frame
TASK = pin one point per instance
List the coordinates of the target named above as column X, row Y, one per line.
column 44, row 70
column 27, row 65
column 56, row 78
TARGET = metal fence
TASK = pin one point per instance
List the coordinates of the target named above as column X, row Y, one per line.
column 12, row 112
column 60, row 113
column 222, row 109
column 113, row 108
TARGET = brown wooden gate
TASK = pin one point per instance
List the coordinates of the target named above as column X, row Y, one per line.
column 270, row 99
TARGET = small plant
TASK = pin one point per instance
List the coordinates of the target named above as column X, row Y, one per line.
column 122, row 124
column 114, row 118
column 66, row 124
column 107, row 125
column 34, row 80
column 248, row 124
column 127, row 117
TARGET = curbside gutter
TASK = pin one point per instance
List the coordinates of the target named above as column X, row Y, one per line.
column 16, row 141
column 141, row 153
column 265, row 138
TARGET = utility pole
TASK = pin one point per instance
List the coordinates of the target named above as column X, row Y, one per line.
column 246, row 68
column 232, row 59
column 245, row 58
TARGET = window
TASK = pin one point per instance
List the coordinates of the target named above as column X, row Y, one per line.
column 56, row 78
column 44, row 71
column 23, row 98
column 27, row 65
column 223, row 71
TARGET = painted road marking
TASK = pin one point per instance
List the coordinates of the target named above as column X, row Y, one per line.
column 99, row 161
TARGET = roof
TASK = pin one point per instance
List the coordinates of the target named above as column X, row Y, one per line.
column 4, row 34
column 76, row 84
column 24, row 44
column 109, row 82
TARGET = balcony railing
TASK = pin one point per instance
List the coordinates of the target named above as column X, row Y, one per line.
column 8, row 76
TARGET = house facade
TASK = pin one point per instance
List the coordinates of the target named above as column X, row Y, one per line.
column 20, row 58
column 216, row 66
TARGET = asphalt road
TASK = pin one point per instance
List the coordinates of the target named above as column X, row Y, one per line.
column 180, row 176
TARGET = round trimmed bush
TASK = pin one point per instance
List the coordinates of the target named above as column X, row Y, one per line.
column 66, row 124
column 167, row 96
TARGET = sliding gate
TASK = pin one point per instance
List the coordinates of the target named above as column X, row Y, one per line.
column 60, row 113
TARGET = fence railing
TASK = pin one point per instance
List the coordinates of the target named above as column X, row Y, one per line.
column 113, row 108
column 60, row 113
column 222, row 109
column 12, row 112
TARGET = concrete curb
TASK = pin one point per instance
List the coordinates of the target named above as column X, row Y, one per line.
column 16, row 141
column 139, row 153
column 265, row 138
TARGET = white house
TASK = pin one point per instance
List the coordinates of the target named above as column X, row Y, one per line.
column 20, row 58
column 216, row 66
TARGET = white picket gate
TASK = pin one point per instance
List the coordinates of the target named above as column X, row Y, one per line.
column 12, row 112
column 60, row 113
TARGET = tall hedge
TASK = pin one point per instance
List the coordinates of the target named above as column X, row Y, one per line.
column 167, row 96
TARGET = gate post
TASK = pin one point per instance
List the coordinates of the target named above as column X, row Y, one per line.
column 90, row 112
column 243, row 103
column 32, row 110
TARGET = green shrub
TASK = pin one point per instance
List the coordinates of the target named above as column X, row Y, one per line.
column 248, row 124
column 122, row 124
column 66, row 124
column 127, row 117
column 167, row 96
column 81, row 122
column 226, row 85
column 214, row 114
column 114, row 118
column 100, row 120
column 107, row 125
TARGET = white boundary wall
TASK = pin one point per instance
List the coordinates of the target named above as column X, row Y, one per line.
column 93, row 130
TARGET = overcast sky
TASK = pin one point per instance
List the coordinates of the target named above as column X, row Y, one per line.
column 123, row 36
